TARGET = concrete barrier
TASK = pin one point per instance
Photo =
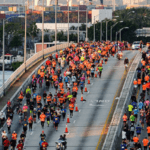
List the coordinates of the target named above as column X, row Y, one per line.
column 115, row 128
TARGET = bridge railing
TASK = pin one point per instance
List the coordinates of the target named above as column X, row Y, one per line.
column 115, row 128
column 29, row 63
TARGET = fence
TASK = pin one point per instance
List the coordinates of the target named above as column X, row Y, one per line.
column 116, row 125
column 29, row 63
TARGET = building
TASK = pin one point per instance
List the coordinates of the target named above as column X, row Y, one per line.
column 145, row 31
column 101, row 14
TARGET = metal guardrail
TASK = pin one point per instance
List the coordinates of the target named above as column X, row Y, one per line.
column 116, row 124
column 29, row 63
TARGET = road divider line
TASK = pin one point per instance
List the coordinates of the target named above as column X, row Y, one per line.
column 80, row 110
column 74, row 121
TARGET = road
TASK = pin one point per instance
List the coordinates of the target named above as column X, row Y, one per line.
column 86, row 125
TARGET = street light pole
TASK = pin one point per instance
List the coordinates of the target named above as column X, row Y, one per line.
column 68, row 24
column 3, row 56
column 86, row 24
column 94, row 30
column 43, row 28
column 120, row 32
column 101, row 31
column 56, row 25
column 106, row 29
column 78, row 23
column 116, row 35
column 25, row 39
column 112, row 28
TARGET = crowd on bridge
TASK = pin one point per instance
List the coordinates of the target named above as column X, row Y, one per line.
column 63, row 73
column 136, row 121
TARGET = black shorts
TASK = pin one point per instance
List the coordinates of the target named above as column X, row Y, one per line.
column 81, row 88
column 148, row 134
column 48, row 119
column 56, row 124
column 56, row 87
column 135, row 115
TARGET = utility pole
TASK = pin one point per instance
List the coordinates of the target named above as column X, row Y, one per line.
column 56, row 24
column 3, row 57
column 43, row 27
column 68, row 23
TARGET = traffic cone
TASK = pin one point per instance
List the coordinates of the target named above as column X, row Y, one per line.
column 85, row 90
column 88, row 81
column 76, row 109
column 68, row 120
column 95, row 75
column 81, row 97
column 66, row 129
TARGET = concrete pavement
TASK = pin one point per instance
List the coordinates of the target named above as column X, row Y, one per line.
column 86, row 125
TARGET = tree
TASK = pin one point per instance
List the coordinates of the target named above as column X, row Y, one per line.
column 46, row 38
column 16, row 42
column 33, row 30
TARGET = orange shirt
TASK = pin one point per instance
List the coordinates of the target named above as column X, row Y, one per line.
column 61, row 100
column 148, row 129
column 38, row 98
column 146, row 78
column 75, row 88
column 135, row 139
column 124, row 117
column 49, row 98
column 135, row 82
column 14, row 135
column 139, row 81
column 144, row 87
column 145, row 142
column 71, row 106
column 42, row 117
column 55, row 77
column 61, row 85
column 42, row 74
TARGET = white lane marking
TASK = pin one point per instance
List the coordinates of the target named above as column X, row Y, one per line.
column 91, row 83
column 83, row 101
column 117, row 97
column 100, row 101
column 74, row 121
column 88, row 91
column 79, row 110
column 95, row 105
column 31, row 133
column 39, row 121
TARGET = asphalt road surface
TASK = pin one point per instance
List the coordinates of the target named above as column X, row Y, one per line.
column 86, row 125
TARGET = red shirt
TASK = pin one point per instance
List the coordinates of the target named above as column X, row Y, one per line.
column 20, row 146
column 44, row 144
column 6, row 143
column 48, row 62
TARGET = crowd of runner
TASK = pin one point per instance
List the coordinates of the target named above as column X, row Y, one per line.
column 65, row 71
column 136, row 122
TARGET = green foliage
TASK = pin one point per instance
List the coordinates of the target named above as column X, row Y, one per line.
column 32, row 30
column 132, row 18
column 16, row 41
column 15, row 65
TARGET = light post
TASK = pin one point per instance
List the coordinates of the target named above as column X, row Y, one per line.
column 94, row 30
column 56, row 25
column 112, row 28
column 68, row 24
column 43, row 27
column 120, row 32
column 86, row 24
column 78, row 23
column 116, row 36
column 4, row 50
